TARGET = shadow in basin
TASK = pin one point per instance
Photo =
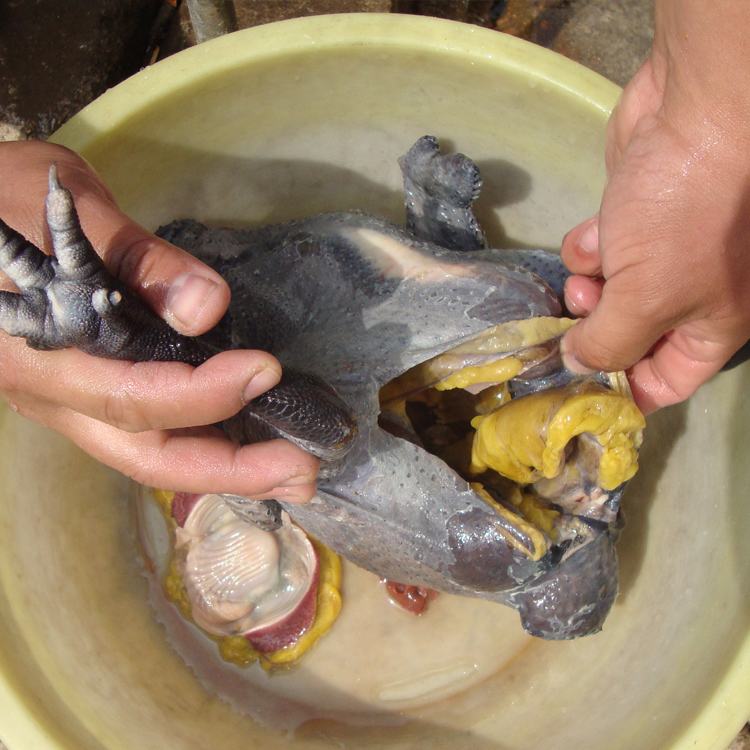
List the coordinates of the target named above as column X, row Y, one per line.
column 504, row 184
column 662, row 430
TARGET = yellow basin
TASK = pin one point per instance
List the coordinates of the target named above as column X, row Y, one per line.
column 280, row 122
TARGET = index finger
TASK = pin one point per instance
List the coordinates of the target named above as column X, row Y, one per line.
column 138, row 396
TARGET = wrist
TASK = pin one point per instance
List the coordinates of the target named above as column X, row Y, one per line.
column 701, row 58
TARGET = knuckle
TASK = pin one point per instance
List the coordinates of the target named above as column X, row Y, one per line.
column 652, row 304
column 10, row 383
column 588, row 348
column 141, row 460
column 599, row 355
column 148, row 396
column 134, row 263
column 125, row 412
column 141, row 473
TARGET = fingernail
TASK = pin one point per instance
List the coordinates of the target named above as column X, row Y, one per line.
column 259, row 383
column 290, row 494
column 572, row 364
column 589, row 239
column 570, row 361
column 296, row 481
column 188, row 295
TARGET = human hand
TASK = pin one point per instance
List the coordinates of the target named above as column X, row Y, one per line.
column 663, row 270
column 149, row 420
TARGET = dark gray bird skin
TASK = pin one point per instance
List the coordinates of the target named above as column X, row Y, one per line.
column 347, row 301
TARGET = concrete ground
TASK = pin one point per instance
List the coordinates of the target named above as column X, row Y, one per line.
column 56, row 57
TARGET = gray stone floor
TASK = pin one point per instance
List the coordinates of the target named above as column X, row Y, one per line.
column 56, row 59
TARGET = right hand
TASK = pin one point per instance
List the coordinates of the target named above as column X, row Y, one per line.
column 662, row 272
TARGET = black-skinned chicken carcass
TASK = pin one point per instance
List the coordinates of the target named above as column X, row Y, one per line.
column 422, row 368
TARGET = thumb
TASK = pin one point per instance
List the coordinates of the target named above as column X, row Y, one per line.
column 188, row 294
column 616, row 334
